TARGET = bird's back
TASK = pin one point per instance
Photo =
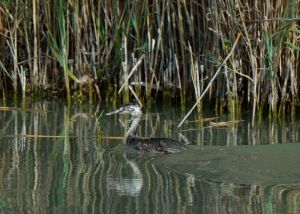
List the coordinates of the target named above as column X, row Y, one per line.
column 156, row 145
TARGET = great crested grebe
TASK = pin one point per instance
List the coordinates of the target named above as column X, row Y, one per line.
column 153, row 144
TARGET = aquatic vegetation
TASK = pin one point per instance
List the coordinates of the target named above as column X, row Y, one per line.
column 154, row 50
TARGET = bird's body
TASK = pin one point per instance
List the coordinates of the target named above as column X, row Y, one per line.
column 156, row 145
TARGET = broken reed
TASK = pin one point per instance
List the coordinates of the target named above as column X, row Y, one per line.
column 55, row 45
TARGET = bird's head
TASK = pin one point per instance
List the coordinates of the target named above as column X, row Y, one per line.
column 133, row 109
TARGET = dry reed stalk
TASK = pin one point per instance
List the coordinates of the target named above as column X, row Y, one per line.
column 125, row 67
column 224, row 123
column 195, row 76
column 131, row 72
column 135, row 95
column 22, row 77
column 79, row 22
column 6, row 71
column 35, row 13
column 253, row 62
column 203, row 120
column 211, row 81
column 178, row 74
column 182, row 49
column 14, row 72
column 162, row 30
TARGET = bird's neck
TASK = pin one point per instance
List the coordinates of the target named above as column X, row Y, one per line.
column 134, row 125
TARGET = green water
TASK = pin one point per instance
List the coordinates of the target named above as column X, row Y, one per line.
column 53, row 160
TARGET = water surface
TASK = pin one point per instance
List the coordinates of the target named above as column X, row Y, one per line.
column 63, row 159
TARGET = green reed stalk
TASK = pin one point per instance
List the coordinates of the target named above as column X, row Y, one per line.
column 59, row 47
column 270, row 51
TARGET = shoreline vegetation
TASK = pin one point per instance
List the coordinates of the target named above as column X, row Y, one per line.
column 231, row 53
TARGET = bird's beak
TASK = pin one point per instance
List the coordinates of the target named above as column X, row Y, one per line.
column 113, row 112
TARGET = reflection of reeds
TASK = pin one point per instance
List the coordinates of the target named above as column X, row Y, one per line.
column 79, row 174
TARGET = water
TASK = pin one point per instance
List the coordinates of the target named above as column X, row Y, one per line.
column 64, row 160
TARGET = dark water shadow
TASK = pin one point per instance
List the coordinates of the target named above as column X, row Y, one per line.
column 259, row 165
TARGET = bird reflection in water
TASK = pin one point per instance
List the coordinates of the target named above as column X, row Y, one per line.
column 127, row 186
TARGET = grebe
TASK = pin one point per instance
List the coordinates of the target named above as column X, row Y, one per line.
column 153, row 144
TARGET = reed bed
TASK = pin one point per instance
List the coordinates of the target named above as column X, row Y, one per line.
column 153, row 50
